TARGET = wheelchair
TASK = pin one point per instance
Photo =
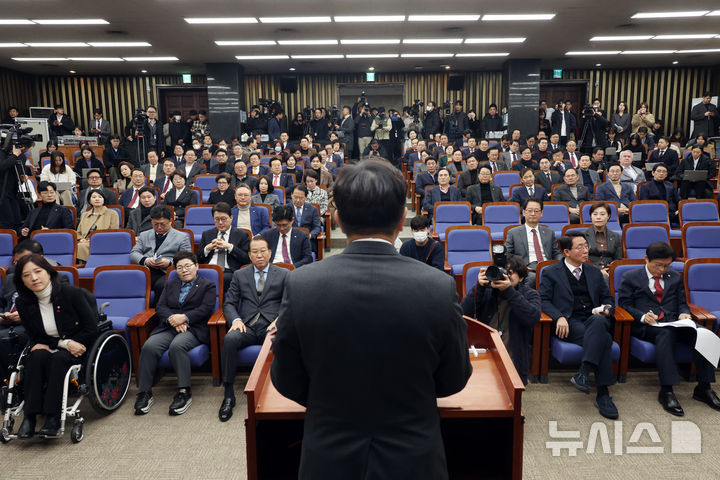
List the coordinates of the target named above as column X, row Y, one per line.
column 103, row 377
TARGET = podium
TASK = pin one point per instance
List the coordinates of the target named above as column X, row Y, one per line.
column 482, row 425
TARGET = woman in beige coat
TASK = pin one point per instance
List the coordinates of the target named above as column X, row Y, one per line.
column 98, row 217
column 643, row 117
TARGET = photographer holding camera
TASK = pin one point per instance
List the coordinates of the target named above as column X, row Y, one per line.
column 432, row 120
column 11, row 159
column 320, row 126
column 456, row 123
column 501, row 300
column 381, row 126
column 363, row 123
column 593, row 126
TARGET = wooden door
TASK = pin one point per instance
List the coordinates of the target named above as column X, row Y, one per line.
column 575, row 92
column 183, row 100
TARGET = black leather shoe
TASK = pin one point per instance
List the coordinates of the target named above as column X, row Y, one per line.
column 581, row 382
column 670, row 403
column 181, row 402
column 27, row 428
column 606, row 407
column 707, row 396
column 226, row 409
column 51, row 427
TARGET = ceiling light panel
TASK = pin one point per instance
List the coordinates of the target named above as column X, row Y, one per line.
column 483, row 54
column 695, row 13
column 57, row 44
column 307, row 42
column 12, row 45
column 73, row 21
column 40, row 59
column 221, row 20
column 518, row 16
column 242, row 43
column 96, row 59
column 369, row 18
column 119, row 44
column 594, row 52
column 327, row 57
column 262, row 57
column 443, row 18
column 15, row 21
column 426, row 55
column 373, row 55
column 291, row 20
column 150, row 59
column 647, row 52
column 619, row 38
column 371, row 41
column 700, row 50
column 432, row 41
column 495, row 40
column 692, row 36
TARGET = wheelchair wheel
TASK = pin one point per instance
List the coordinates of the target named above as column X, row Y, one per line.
column 76, row 434
column 107, row 373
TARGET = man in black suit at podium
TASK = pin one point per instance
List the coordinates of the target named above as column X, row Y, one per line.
column 367, row 340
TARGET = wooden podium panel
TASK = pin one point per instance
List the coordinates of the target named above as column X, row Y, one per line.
column 482, row 425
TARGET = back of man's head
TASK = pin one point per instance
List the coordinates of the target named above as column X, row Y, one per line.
column 28, row 245
column 370, row 198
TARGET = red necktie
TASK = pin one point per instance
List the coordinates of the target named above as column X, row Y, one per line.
column 134, row 199
column 572, row 157
column 276, row 180
column 285, row 253
column 659, row 295
column 167, row 186
column 536, row 244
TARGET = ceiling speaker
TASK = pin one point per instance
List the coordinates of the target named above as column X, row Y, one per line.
column 456, row 82
column 288, row 84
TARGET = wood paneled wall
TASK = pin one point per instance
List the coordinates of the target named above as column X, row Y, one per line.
column 668, row 91
column 116, row 96
column 481, row 88
column 15, row 89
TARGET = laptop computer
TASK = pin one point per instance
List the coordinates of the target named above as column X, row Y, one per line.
column 649, row 166
column 637, row 157
column 610, row 151
column 63, row 186
column 695, row 175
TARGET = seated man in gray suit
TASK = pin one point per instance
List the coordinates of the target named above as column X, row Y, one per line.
column 572, row 194
column 532, row 242
column 444, row 192
column 139, row 219
column 156, row 248
column 630, row 173
column 256, row 291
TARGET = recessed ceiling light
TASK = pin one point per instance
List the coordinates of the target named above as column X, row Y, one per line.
column 692, row 36
column 12, row 45
column 328, row 57
column 143, row 71
column 262, row 57
column 18, row 21
column 700, row 50
column 307, row 42
column 57, row 44
column 150, row 59
column 646, row 52
column 211, row 20
column 432, row 40
column 372, row 69
column 96, row 59
column 714, row 13
column 447, row 67
column 73, row 71
column 675, row 62
column 292, row 69
column 443, row 18
column 369, row 18
column 426, row 55
column 371, row 41
column 598, row 64
column 483, row 54
column 291, row 20
column 495, row 40
column 39, row 59
column 119, row 44
column 697, row 13
column 613, row 38
column 373, row 55
column 224, row 43
column 519, row 16
column 594, row 52
column 73, row 21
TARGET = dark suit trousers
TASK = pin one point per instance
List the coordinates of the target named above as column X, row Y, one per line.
column 699, row 188
column 665, row 339
column 235, row 341
column 45, row 368
column 594, row 335
column 157, row 283
column 178, row 344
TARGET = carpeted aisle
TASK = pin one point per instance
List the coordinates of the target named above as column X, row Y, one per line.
column 197, row 445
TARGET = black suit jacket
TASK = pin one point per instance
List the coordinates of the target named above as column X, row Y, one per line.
column 74, row 318
column 248, row 180
column 557, row 296
column 239, row 254
column 216, row 196
column 474, row 196
column 320, row 360
column 300, row 251
column 187, row 197
column 159, row 137
column 705, row 163
column 113, row 159
column 242, row 300
column 670, row 159
column 82, row 201
column 667, row 192
column 287, row 181
column 541, row 178
column 634, row 295
column 310, row 220
column 66, row 126
column 198, row 306
column 59, row 217
column 563, row 194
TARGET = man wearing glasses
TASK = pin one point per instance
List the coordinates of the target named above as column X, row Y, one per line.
column 224, row 245
column 94, row 180
column 576, row 297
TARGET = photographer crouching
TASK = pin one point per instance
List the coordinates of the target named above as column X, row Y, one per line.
column 501, row 300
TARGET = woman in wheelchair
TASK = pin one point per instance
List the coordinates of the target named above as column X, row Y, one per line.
column 60, row 325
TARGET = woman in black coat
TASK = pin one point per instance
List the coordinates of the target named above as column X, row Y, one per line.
column 61, row 325
column 510, row 307
column 179, row 197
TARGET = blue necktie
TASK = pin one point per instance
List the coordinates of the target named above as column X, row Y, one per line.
column 184, row 290
column 298, row 215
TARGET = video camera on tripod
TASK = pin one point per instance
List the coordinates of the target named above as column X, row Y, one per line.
column 447, row 107
column 270, row 108
column 415, row 108
column 13, row 135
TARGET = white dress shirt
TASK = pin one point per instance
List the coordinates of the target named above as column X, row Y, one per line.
column 278, row 250
column 531, row 244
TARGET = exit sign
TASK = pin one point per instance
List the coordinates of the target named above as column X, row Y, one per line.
column 370, row 76
column 186, row 78
column 557, row 73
